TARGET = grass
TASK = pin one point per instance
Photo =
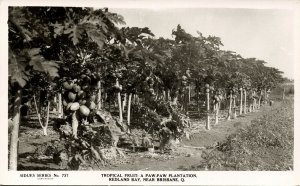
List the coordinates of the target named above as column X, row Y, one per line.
column 267, row 144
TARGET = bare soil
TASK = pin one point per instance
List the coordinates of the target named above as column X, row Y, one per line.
column 187, row 152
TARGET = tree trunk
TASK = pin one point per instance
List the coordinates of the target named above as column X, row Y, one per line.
column 128, row 111
column 168, row 95
column 186, row 101
column 265, row 95
column 217, row 113
column 251, row 100
column 189, row 101
column 116, row 103
column 254, row 101
column 214, row 108
column 124, row 102
column 119, row 102
column 207, row 110
column 245, row 102
column 104, row 102
column 45, row 127
column 137, row 98
column 225, row 101
column 99, row 97
column 250, row 106
column 56, row 104
column 174, row 101
column 14, row 137
column 198, row 101
column 37, row 111
column 283, row 93
column 60, row 109
column 259, row 99
column 45, row 131
column 221, row 99
column 41, row 120
column 109, row 106
column 134, row 98
column 241, row 102
column 230, row 105
column 234, row 108
column 164, row 97
column 75, row 124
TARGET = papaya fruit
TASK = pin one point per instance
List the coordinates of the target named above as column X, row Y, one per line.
column 118, row 75
column 76, row 88
column 82, row 102
column 84, row 111
column 91, row 105
column 85, row 87
column 71, row 96
column 73, row 106
column 88, row 72
column 65, row 103
column 93, row 98
column 81, row 94
column 68, row 85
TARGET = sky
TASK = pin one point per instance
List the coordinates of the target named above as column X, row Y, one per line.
column 266, row 34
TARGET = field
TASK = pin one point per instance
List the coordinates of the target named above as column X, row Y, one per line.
column 261, row 140
column 88, row 92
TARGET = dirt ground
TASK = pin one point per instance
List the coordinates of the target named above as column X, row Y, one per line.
column 187, row 153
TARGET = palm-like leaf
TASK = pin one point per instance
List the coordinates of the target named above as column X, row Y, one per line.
column 16, row 70
column 97, row 25
column 39, row 63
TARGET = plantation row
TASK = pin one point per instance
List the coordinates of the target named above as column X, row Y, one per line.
column 267, row 144
column 80, row 61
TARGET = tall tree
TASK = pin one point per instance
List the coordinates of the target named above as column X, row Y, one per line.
column 24, row 58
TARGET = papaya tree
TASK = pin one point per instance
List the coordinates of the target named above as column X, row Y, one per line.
column 232, row 81
column 122, row 59
column 42, row 91
column 181, row 59
column 57, row 33
column 80, row 35
column 24, row 59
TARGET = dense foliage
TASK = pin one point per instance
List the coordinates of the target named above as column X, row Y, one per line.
column 85, row 60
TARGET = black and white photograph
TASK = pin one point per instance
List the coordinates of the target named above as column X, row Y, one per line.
column 163, row 92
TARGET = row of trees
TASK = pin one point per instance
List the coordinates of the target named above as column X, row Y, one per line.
column 84, row 60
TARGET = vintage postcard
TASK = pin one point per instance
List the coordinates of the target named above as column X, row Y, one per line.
column 149, row 92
